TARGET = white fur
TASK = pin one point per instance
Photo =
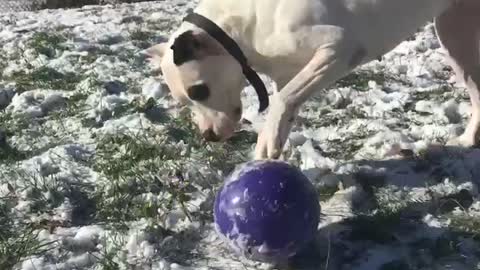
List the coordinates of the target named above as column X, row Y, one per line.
column 305, row 45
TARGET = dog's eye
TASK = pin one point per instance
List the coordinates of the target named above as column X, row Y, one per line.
column 199, row 92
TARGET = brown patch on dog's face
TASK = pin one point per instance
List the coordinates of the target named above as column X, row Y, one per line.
column 203, row 76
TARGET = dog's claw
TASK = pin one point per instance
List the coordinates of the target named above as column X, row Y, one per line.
column 269, row 152
column 273, row 137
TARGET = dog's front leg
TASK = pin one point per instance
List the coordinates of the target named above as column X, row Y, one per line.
column 329, row 63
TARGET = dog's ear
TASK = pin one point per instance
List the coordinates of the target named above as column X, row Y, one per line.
column 193, row 46
column 155, row 54
column 157, row 51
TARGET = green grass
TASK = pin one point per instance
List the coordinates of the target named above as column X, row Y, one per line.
column 335, row 118
column 128, row 108
column 118, row 155
column 9, row 155
column 144, row 38
column 47, row 43
column 34, row 130
column 3, row 63
column 111, row 248
column 98, row 51
column 348, row 146
column 465, row 224
column 50, row 44
column 44, row 78
column 17, row 245
column 391, row 216
column 359, row 79
column 70, row 108
column 379, row 227
column 12, row 125
column 133, row 164
column 387, row 227
column 18, row 241
column 327, row 192
column 141, row 35
column 440, row 94
column 150, row 161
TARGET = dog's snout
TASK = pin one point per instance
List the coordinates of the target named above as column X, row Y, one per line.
column 210, row 135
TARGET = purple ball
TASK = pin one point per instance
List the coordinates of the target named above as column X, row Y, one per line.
column 267, row 211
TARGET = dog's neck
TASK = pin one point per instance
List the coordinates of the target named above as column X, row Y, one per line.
column 246, row 23
column 238, row 23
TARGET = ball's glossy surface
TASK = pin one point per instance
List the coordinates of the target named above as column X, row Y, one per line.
column 267, row 210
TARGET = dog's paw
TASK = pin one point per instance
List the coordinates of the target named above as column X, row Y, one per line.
column 272, row 138
column 269, row 146
column 463, row 141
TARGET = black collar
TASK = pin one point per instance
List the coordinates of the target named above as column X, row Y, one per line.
column 231, row 46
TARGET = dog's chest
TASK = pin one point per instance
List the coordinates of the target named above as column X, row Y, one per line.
column 281, row 68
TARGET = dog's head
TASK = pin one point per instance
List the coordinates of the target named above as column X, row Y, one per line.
column 201, row 74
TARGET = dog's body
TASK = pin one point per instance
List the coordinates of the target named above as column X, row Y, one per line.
column 304, row 46
column 273, row 39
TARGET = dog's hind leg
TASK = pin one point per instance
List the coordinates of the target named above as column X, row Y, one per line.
column 459, row 32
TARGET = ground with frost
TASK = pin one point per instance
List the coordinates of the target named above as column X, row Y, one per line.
column 99, row 169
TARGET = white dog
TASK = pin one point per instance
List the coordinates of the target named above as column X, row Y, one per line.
column 304, row 46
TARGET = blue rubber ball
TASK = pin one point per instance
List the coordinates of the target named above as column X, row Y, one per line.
column 267, row 211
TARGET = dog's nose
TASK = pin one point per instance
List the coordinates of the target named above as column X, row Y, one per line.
column 210, row 135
